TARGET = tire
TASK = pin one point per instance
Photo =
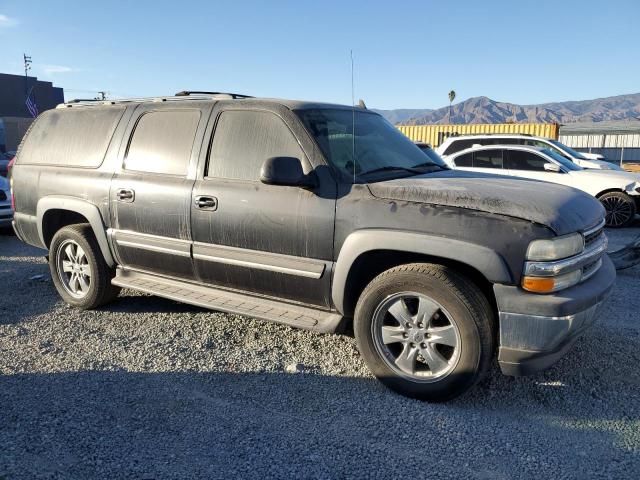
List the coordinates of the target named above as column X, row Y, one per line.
column 74, row 252
column 456, row 326
column 620, row 208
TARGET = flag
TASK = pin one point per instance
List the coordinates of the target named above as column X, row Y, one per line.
column 31, row 105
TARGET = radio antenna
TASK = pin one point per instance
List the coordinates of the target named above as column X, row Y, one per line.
column 353, row 122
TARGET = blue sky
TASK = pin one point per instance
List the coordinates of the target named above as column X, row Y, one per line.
column 407, row 54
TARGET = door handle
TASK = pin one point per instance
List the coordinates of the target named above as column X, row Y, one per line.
column 125, row 195
column 206, row 203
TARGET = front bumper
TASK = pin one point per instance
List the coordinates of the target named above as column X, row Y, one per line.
column 537, row 330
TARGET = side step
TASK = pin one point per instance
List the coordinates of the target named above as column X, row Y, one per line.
column 229, row 302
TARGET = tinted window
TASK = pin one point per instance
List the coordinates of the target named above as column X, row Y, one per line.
column 487, row 159
column 465, row 160
column 243, row 140
column 521, row 160
column 459, row 145
column 162, row 142
column 71, row 137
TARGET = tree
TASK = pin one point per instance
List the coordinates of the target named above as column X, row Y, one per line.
column 452, row 97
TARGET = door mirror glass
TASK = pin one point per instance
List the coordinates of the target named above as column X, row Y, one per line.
column 552, row 167
column 286, row 171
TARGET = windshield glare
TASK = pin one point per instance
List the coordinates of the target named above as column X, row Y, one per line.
column 567, row 164
column 377, row 145
column 569, row 150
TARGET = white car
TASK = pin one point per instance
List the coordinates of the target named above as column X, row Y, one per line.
column 455, row 144
column 618, row 191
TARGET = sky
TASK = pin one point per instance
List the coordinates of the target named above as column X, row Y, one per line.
column 407, row 54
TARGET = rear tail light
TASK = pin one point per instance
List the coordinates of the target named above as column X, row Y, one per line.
column 13, row 198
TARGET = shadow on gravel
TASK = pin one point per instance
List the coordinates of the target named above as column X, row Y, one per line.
column 175, row 424
column 135, row 302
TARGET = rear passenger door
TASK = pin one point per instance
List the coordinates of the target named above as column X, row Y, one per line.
column 268, row 240
column 150, row 194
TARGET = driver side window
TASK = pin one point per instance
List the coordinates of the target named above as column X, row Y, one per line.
column 521, row 160
column 244, row 139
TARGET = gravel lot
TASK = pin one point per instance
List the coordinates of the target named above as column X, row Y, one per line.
column 149, row 388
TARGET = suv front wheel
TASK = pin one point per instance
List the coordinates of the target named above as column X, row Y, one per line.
column 425, row 331
column 78, row 269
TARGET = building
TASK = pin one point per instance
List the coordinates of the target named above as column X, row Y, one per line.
column 15, row 117
column 618, row 141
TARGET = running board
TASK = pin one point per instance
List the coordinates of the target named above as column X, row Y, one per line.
column 229, row 302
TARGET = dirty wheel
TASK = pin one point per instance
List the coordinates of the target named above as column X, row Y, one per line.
column 620, row 209
column 425, row 331
column 78, row 270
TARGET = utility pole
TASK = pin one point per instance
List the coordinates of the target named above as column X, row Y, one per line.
column 27, row 67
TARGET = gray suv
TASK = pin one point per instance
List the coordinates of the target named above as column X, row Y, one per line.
column 318, row 216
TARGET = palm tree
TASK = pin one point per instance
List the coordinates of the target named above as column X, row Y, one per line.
column 452, row 97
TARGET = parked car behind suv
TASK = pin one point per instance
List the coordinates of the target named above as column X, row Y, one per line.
column 458, row 143
column 618, row 191
column 281, row 210
column 6, row 212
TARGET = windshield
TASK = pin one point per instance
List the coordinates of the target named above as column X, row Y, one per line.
column 431, row 153
column 567, row 164
column 570, row 151
column 377, row 150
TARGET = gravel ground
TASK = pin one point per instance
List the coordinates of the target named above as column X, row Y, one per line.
column 149, row 388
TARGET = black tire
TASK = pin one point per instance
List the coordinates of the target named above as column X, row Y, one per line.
column 100, row 290
column 620, row 208
column 459, row 298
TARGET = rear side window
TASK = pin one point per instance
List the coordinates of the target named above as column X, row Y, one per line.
column 70, row 137
column 465, row 160
column 487, row 159
column 459, row 145
column 244, row 139
column 162, row 142
column 520, row 160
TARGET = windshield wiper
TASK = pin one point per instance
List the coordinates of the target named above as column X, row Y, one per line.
column 389, row 168
column 429, row 164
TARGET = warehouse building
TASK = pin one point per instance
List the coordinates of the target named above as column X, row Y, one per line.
column 618, row 141
column 15, row 115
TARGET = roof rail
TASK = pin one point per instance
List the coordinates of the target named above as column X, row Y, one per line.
column 235, row 96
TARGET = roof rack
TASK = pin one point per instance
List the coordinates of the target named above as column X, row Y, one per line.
column 180, row 96
column 235, row 96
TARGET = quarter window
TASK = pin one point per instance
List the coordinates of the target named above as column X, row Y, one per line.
column 521, row 160
column 244, row 139
column 162, row 142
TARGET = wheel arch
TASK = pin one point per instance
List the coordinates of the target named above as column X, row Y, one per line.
column 56, row 212
column 609, row 190
column 365, row 254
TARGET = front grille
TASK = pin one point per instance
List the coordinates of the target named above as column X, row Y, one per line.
column 3, row 196
column 593, row 235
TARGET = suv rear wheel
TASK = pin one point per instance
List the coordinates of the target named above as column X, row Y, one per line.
column 425, row 331
column 78, row 269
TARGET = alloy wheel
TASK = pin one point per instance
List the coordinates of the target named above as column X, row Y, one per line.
column 74, row 270
column 416, row 337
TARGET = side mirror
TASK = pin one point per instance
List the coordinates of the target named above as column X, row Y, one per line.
column 552, row 167
column 286, row 171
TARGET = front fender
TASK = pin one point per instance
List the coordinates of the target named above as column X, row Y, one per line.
column 82, row 207
column 488, row 262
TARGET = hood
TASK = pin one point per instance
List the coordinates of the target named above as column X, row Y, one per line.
column 563, row 209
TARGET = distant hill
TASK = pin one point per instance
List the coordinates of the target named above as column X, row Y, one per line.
column 485, row 110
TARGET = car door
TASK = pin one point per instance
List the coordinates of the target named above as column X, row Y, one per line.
column 151, row 190
column 488, row 161
column 268, row 240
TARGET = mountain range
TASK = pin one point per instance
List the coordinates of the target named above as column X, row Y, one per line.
column 486, row 110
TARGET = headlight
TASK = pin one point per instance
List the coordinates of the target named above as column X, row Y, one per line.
column 555, row 248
